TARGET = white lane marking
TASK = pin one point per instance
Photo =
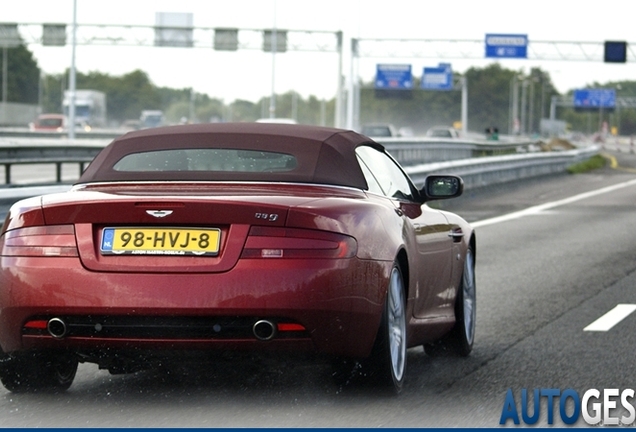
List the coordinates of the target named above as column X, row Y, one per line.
column 549, row 205
column 611, row 318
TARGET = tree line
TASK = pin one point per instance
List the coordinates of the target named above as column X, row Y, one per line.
column 490, row 93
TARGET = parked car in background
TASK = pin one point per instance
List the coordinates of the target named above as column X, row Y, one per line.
column 379, row 130
column 442, row 132
column 49, row 123
column 151, row 119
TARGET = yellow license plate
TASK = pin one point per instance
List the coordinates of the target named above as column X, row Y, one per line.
column 160, row 241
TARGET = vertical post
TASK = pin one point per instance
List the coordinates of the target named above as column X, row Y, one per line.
column 531, row 109
column 553, row 102
column 339, row 97
column 542, row 95
column 357, row 89
column 58, row 172
column 62, row 89
column 510, row 115
column 40, row 91
column 191, row 110
column 515, row 104
column 272, row 100
column 351, row 86
column 618, row 111
column 5, row 86
column 464, row 106
column 524, row 103
column 71, row 82
column 618, row 117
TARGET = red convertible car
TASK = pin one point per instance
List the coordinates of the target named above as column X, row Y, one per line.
column 244, row 236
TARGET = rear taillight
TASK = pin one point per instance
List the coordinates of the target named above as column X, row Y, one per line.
column 270, row 242
column 53, row 240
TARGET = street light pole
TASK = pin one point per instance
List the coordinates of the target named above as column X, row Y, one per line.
column 530, row 128
column 618, row 113
column 524, row 103
column 272, row 100
column 71, row 83
column 464, row 106
column 553, row 104
column 5, row 86
column 514, row 84
column 338, row 122
column 352, row 85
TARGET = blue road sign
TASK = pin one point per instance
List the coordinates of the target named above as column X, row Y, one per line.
column 439, row 78
column 394, row 77
column 595, row 98
column 615, row 52
column 507, row 45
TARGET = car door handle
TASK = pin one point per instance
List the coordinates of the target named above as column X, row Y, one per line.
column 456, row 234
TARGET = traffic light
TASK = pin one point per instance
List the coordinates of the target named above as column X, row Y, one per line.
column 615, row 52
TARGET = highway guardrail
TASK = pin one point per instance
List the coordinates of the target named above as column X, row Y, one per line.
column 478, row 162
column 55, row 148
column 27, row 151
column 478, row 172
column 411, row 151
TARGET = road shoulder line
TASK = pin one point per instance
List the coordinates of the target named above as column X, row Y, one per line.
column 549, row 205
column 611, row 318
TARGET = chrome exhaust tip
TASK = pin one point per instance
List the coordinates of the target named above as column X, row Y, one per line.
column 56, row 328
column 264, row 330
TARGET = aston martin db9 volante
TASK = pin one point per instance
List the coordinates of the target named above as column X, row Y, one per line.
column 227, row 237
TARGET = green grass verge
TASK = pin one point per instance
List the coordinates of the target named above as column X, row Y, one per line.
column 595, row 162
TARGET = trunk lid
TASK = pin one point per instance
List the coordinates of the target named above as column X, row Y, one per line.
column 164, row 213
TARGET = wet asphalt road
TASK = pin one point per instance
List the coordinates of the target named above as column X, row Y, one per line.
column 542, row 278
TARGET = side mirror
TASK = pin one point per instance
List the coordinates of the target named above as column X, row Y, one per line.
column 441, row 187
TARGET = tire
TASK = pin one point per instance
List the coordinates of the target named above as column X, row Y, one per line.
column 38, row 372
column 386, row 367
column 461, row 338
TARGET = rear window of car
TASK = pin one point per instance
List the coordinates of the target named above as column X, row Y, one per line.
column 223, row 160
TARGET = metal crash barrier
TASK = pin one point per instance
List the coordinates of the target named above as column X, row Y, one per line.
column 479, row 162
column 15, row 151
column 478, row 172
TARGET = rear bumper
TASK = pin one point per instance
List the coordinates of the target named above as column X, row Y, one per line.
column 338, row 302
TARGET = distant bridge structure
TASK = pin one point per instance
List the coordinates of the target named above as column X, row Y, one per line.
column 283, row 40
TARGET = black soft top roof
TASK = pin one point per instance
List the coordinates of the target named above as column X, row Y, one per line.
column 324, row 155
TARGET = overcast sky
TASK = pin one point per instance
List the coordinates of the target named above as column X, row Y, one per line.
column 247, row 74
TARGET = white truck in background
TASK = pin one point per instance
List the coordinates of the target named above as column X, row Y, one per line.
column 90, row 108
column 151, row 118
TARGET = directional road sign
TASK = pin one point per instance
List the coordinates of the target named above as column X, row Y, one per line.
column 393, row 77
column 437, row 78
column 595, row 98
column 507, row 45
